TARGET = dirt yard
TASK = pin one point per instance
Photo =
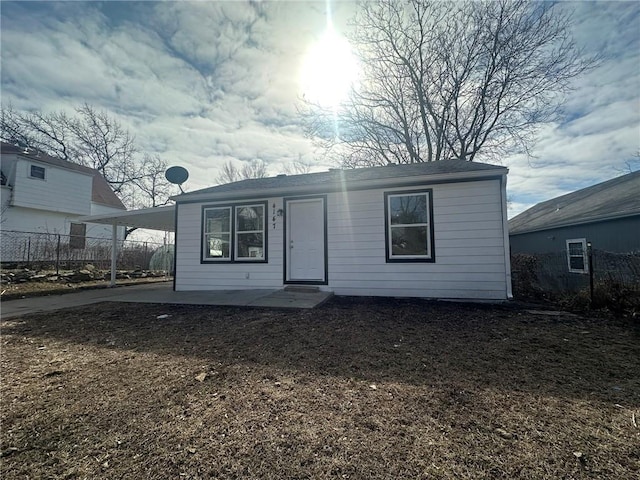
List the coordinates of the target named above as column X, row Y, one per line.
column 357, row 389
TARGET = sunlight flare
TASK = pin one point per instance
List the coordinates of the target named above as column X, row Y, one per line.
column 329, row 70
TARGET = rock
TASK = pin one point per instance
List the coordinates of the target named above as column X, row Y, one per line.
column 504, row 434
column 200, row 377
column 89, row 267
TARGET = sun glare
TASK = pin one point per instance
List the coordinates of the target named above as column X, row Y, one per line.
column 329, row 70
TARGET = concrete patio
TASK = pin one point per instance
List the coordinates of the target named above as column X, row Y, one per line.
column 163, row 293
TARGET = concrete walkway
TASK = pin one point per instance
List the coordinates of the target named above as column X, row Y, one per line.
column 163, row 293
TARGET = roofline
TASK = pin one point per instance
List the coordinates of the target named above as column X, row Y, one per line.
column 123, row 208
column 29, row 157
column 352, row 185
column 602, row 218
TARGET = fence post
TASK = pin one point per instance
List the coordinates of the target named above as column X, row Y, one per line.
column 590, row 256
column 58, row 256
column 28, row 251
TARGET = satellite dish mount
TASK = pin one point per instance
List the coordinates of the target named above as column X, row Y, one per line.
column 177, row 175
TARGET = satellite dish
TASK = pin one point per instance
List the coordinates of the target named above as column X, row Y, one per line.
column 177, row 175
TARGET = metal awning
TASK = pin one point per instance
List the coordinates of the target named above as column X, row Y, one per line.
column 157, row 218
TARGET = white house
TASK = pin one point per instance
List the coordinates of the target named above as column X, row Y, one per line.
column 436, row 230
column 40, row 193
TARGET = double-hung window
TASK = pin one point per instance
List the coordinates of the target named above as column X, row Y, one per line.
column 217, row 233
column 234, row 233
column 577, row 256
column 409, row 226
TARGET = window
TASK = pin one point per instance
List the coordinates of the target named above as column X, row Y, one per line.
column 250, row 232
column 234, row 233
column 577, row 256
column 78, row 236
column 217, row 233
column 409, row 227
column 37, row 172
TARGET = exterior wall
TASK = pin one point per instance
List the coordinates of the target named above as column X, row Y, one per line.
column 99, row 230
column 619, row 236
column 193, row 275
column 40, row 221
column 50, row 205
column 61, row 191
column 469, row 248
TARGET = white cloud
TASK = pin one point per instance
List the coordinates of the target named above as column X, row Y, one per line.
column 202, row 83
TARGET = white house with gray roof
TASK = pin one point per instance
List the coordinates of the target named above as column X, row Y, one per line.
column 45, row 194
column 435, row 230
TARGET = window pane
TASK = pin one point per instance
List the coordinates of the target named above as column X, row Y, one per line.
column 575, row 249
column 576, row 263
column 217, row 246
column 409, row 240
column 250, row 245
column 218, row 220
column 408, row 209
column 37, row 172
column 250, row 218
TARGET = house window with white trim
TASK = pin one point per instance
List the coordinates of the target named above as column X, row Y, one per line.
column 234, row 233
column 577, row 255
column 38, row 172
column 409, row 226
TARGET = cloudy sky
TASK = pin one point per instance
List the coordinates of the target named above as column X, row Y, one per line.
column 202, row 83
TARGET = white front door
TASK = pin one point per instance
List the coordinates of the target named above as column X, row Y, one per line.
column 305, row 241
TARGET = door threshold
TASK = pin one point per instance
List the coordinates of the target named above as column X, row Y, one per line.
column 301, row 288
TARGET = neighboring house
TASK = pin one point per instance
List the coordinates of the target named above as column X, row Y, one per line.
column 45, row 194
column 436, row 230
column 607, row 215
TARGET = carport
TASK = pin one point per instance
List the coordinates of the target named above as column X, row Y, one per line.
column 156, row 218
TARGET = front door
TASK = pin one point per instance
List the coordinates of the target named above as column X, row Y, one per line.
column 305, row 241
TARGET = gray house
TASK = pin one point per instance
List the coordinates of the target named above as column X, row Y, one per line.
column 434, row 230
column 607, row 215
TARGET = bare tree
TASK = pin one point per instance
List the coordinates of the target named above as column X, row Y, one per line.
column 450, row 80
column 297, row 167
column 231, row 173
column 94, row 139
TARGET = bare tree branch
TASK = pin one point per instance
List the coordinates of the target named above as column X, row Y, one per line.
column 446, row 80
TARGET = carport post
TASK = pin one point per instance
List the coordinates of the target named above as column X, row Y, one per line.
column 114, row 252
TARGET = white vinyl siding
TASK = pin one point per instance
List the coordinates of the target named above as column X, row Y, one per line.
column 63, row 190
column 468, row 241
column 191, row 274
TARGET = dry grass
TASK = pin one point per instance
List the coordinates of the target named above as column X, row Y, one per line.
column 357, row 389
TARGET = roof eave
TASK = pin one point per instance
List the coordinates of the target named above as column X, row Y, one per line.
column 602, row 218
column 353, row 185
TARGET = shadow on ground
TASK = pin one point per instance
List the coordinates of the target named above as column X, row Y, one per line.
column 376, row 340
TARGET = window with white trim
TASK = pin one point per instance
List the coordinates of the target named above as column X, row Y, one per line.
column 409, row 226
column 37, row 172
column 234, row 233
column 577, row 255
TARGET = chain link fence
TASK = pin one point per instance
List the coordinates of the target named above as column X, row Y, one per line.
column 53, row 251
column 600, row 278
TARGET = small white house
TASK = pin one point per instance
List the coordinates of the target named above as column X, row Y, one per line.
column 435, row 230
column 40, row 193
